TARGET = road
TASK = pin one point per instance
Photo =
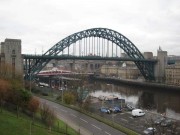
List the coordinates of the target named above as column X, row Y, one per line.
column 80, row 122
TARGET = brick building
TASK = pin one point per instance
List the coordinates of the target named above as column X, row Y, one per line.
column 172, row 73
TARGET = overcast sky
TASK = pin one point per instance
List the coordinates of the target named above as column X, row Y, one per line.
column 42, row 23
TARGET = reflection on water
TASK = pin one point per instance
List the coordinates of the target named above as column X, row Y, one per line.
column 155, row 100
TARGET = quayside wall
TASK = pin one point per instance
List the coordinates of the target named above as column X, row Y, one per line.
column 159, row 86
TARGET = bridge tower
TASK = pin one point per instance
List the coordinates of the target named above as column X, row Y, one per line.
column 160, row 65
column 11, row 58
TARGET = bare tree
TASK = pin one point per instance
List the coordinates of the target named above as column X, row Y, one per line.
column 47, row 115
column 4, row 87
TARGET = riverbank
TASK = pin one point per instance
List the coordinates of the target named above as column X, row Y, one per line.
column 139, row 83
column 137, row 124
column 122, row 121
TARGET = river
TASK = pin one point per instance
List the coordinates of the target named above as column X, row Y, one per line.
column 166, row 102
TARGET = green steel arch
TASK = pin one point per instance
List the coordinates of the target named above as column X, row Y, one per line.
column 120, row 40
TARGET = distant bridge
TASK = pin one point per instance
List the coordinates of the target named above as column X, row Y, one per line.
column 60, row 73
column 92, row 44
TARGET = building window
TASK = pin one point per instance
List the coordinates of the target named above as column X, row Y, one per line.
column 13, row 67
column 13, row 51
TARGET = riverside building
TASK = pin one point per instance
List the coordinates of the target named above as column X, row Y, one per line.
column 173, row 74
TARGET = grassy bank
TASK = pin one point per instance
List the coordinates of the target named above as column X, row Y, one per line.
column 11, row 125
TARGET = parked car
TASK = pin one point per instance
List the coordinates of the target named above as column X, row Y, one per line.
column 129, row 107
column 105, row 110
column 149, row 131
column 159, row 120
column 101, row 98
column 166, row 123
column 115, row 109
column 137, row 112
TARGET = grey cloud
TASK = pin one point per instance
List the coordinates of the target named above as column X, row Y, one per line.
column 42, row 23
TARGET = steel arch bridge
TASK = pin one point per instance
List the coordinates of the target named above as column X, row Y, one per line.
column 146, row 68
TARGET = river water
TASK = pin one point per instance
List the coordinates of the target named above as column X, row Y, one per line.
column 156, row 100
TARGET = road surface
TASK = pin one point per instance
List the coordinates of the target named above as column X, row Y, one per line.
column 80, row 122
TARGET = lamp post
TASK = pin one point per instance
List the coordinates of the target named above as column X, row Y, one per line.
column 30, row 82
column 62, row 88
column 113, row 102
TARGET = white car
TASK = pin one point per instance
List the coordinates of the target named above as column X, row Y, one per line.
column 137, row 112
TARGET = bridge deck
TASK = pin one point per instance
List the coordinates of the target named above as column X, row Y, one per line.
column 62, row 57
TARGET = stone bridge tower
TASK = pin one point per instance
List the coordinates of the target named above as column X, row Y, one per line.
column 11, row 58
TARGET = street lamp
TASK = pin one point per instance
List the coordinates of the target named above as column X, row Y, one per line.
column 61, row 87
column 113, row 101
column 30, row 82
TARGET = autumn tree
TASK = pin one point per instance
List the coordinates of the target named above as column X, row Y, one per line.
column 4, row 87
column 33, row 106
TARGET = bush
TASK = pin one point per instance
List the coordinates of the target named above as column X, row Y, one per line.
column 47, row 115
column 33, row 106
column 69, row 98
column 45, row 94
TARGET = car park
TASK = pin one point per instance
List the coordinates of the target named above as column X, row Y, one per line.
column 158, row 120
column 115, row 109
column 149, row 131
column 166, row 123
column 138, row 124
column 129, row 107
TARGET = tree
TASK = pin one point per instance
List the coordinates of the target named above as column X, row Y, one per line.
column 25, row 97
column 20, row 98
column 69, row 98
column 51, row 119
column 86, row 104
column 81, row 88
column 4, row 87
column 47, row 115
column 33, row 106
column 44, row 112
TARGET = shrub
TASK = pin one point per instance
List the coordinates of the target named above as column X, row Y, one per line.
column 47, row 115
column 69, row 98
column 33, row 106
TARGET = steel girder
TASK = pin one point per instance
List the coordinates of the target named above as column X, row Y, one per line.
column 146, row 68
